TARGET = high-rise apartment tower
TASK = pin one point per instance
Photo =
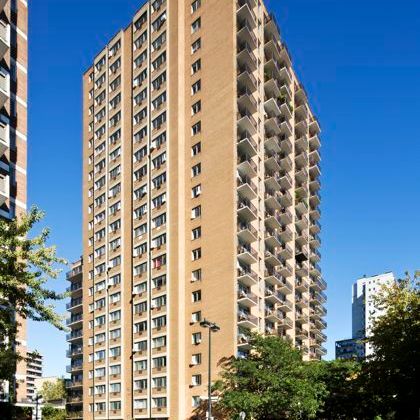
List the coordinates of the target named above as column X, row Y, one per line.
column 13, row 135
column 200, row 200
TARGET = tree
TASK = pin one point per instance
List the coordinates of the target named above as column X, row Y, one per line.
column 271, row 383
column 51, row 413
column 26, row 264
column 53, row 390
column 347, row 396
column 393, row 371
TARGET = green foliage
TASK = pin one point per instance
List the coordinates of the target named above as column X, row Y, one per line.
column 51, row 413
column 393, row 372
column 272, row 383
column 26, row 264
column 53, row 390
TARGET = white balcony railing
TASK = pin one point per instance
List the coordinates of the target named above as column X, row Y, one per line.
column 4, row 137
column 4, row 188
column 4, row 86
column 4, row 38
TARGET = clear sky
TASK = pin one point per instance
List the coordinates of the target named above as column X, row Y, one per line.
column 360, row 63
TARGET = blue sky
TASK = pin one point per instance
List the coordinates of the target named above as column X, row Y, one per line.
column 360, row 63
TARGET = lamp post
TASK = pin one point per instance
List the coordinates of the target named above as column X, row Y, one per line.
column 212, row 328
column 38, row 397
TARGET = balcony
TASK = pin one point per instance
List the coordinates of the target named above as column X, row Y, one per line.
column 301, row 175
column 245, row 12
column 247, row 145
column 246, row 79
column 314, row 157
column 4, row 137
column 4, row 188
column 245, row 33
column 247, row 276
column 284, row 324
column 301, row 237
column 247, row 232
column 301, row 160
column 74, row 304
column 4, row 87
column 301, row 206
column 314, row 142
column 285, row 305
column 247, row 101
column 74, row 335
column 301, row 222
column 247, row 298
column 272, row 125
column 246, row 188
column 272, row 314
column 75, row 287
column 314, row 126
column 74, row 384
column 74, row 351
column 272, row 239
column 74, row 368
column 246, row 254
column 273, row 221
column 247, row 320
column 4, row 38
column 272, row 277
column 301, row 285
column 301, row 96
column 315, row 241
column 315, row 213
column 271, row 257
column 271, row 28
column 285, row 269
column 246, row 210
column 301, row 301
column 314, row 171
column 301, row 333
column 246, row 122
column 318, row 283
column 246, row 166
column 74, row 319
column 272, row 296
column 285, row 286
column 302, row 144
column 246, row 56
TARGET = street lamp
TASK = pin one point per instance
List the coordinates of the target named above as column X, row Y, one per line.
column 37, row 398
column 212, row 328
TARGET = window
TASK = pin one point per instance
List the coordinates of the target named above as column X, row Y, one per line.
column 158, row 201
column 115, row 83
column 196, row 170
column 195, row 5
column 100, row 251
column 196, row 400
column 140, row 307
column 196, row 45
column 196, row 254
column 159, row 121
column 138, row 43
column 159, row 241
column 99, row 200
column 159, row 342
column 196, row 149
column 156, row 5
column 159, row 101
column 100, row 406
column 115, row 153
column 158, row 161
column 100, row 132
column 115, row 48
column 140, row 97
column 141, row 346
column 100, row 183
column 113, row 68
column 139, row 327
column 196, row 87
column 196, row 25
column 115, row 316
column 100, row 217
column 114, row 208
column 196, row 128
column 196, row 191
column 196, row 338
column 159, row 302
column 159, row 282
column 115, row 370
column 140, row 173
column 114, row 280
column 140, row 384
column 196, row 275
column 159, row 322
column 140, row 59
column 159, row 180
column 196, row 380
column 140, row 404
column 160, row 261
column 159, row 81
column 159, row 362
column 140, row 365
column 113, row 173
column 196, row 212
column 196, row 317
column 196, row 296
column 196, row 233
column 115, row 387
column 140, row 21
column 115, row 405
column 159, row 382
column 100, row 165
column 100, row 115
column 140, row 211
column 141, row 134
column 140, row 269
column 140, row 230
column 159, row 220
column 140, row 154
column 196, row 108
column 159, row 41
column 159, row 22
column 115, row 298
column 100, row 389
column 114, row 226
column 140, row 116
column 114, row 334
column 99, row 355
column 159, row 402
column 156, row 64
column 196, row 359
column 113, row 138
column 115, row 101
column 99, row 372
column 115, row 190
column 115, row 244
column 140, row 78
